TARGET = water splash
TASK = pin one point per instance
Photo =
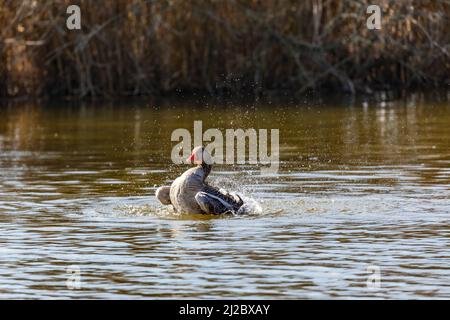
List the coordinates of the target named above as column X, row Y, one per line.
column 250, row 207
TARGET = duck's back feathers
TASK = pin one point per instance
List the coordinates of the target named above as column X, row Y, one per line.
column 183, row 191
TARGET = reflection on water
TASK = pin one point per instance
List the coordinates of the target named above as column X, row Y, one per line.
column 360, row 184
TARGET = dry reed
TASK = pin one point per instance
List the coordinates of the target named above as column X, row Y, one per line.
column 137, row 47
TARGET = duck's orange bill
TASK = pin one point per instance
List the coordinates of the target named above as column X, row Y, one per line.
column 191, row 157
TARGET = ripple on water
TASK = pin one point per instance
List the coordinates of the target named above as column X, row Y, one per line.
column 352, row 196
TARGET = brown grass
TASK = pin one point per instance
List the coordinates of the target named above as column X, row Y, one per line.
column 139, row 47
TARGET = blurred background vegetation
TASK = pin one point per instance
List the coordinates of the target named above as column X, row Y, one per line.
column 221, row 47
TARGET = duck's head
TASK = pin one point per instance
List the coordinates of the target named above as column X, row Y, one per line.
column 200, row 156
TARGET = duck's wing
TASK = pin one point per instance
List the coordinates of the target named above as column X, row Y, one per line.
column 220, row 200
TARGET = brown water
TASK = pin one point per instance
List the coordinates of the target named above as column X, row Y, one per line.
column 361, row 185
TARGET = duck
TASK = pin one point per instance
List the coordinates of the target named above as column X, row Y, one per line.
column 191, row 193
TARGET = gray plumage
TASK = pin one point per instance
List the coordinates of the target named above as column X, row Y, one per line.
column 184, row 189
column 190, row 193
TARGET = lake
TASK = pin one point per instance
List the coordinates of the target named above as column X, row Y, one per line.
column 358, row 209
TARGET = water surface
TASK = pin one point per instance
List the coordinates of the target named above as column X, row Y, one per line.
column 363, row 186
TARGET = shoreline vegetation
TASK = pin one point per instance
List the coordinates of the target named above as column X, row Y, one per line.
column 221, row 48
